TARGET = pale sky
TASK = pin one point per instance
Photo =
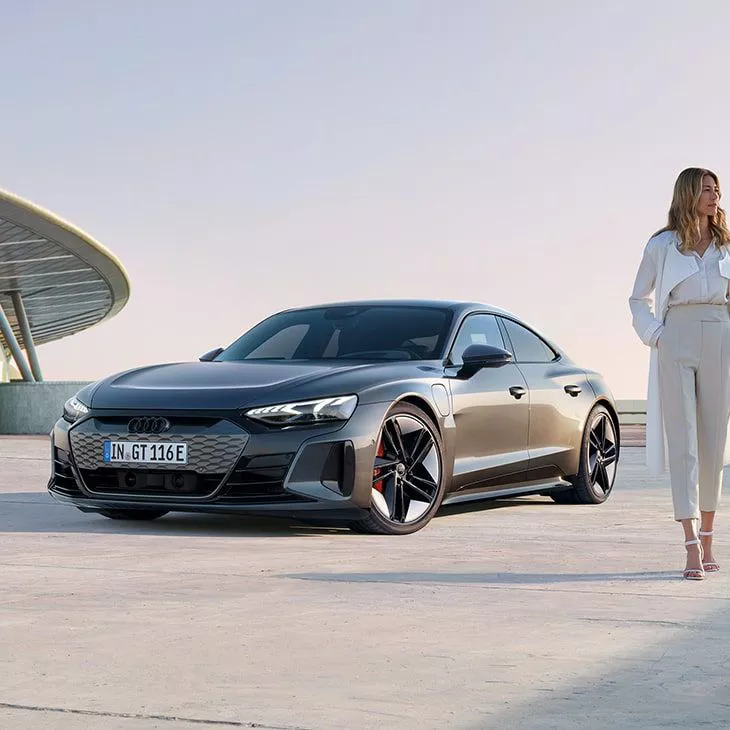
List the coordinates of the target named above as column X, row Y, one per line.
column 244, row 157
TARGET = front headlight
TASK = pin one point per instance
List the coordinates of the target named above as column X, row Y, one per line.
column 73, row 409
column 322, row 410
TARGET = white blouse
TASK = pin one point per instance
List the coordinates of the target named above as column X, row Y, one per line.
column 705, row 286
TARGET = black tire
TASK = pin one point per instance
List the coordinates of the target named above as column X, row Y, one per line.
column 376, row 523
column 599, row 453
column 133, row 514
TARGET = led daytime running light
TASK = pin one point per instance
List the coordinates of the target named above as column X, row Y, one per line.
column 338, row 408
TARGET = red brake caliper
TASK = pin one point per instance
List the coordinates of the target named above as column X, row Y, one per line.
column 376, row 472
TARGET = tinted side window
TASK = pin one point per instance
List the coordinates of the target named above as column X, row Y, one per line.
column 477, row 329
column 526, row 345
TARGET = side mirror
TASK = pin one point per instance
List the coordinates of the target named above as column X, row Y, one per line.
column 476, row 357
column 212, row 355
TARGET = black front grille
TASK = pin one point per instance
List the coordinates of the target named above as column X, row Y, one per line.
column 150, row 483
column 259, row 479
column 63, row 477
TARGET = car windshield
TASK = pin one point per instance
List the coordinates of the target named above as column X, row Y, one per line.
column 378, row 332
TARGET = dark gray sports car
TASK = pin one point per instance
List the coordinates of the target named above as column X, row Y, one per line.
column 370, row 414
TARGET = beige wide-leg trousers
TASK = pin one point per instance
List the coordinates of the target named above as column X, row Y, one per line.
column 694, row 379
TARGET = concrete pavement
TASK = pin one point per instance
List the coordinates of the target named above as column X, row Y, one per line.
column 515, row 614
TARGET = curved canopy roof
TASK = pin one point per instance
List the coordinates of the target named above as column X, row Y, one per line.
column 67, row 281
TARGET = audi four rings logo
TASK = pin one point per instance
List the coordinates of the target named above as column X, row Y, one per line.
column 148, row 424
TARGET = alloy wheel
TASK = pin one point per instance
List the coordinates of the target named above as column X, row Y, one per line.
column 602, row 454
column 407, row 471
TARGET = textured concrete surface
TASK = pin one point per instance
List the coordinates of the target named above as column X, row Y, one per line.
column 518, row 614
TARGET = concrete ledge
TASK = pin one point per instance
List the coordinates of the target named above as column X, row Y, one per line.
column 631, row 411
column 33, row 408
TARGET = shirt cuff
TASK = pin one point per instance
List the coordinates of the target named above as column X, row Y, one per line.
column 655, row 337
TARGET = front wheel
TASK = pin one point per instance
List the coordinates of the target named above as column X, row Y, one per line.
column 408, row 480
column 598, row 461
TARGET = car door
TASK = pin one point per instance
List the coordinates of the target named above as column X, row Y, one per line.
column 560, row 398
column 491, row 411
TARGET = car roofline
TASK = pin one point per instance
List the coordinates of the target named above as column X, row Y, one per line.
column 457, row 306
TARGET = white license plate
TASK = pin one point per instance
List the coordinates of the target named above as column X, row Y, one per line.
column 145, row 452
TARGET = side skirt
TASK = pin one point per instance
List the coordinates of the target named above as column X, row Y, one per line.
column 534, row 488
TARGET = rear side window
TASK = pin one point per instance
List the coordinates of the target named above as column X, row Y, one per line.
column 526, row 346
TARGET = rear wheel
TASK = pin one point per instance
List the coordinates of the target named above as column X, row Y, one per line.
column 598, row 461
column 408, row 482
column 133, row 514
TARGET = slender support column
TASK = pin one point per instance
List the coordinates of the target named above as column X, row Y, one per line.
column 4, row 364
column 24, row 325
column 7, row 332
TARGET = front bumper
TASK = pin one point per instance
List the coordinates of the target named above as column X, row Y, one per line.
column 323, row 471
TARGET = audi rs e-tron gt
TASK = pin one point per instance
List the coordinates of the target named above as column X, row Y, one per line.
column 368, row 414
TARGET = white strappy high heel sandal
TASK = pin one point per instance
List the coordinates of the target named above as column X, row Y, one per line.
column 711, row 566
column 694, row 573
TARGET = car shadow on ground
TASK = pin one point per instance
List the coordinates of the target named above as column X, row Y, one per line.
column 38, row 512
column 486, row 578
column 483, row 505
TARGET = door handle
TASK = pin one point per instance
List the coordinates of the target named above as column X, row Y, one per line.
column 517, row 391
column 574, row 390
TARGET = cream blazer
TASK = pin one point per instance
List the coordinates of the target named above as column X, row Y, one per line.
column 662, row 268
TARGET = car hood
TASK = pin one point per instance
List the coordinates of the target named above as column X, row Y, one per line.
column 231, row 385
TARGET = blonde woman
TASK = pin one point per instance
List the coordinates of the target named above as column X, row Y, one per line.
column 687, row 266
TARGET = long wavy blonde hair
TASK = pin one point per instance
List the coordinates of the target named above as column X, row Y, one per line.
column 683, row 217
